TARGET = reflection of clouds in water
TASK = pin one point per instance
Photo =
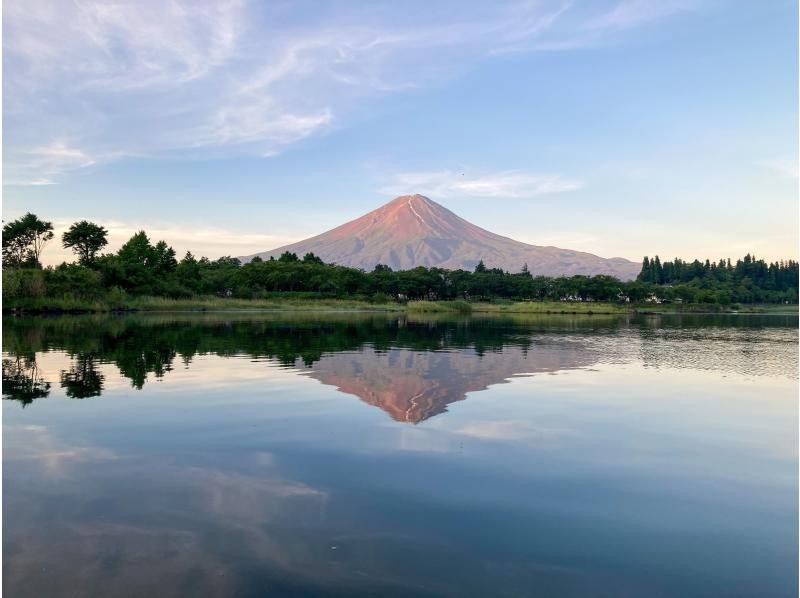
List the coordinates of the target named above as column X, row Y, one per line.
column 34, row 428
column 105, row 558
column 192, row 525
column 36, row 445
column 264, row 459
column 513, row 430
column 414, row 439
column 196, row 515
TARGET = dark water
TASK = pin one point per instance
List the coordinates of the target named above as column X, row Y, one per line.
column 346, row 455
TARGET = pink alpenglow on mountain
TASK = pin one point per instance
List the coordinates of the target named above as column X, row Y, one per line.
column 412, row 230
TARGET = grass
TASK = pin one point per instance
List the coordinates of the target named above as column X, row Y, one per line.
column 706, row 308
column 217, row 303
column 124, row 303
column 145, row 303
column 460, row 307
column 62, row 304
column 600, row 307
column 552, row 307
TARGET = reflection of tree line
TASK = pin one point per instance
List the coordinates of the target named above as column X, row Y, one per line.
column 24, row 382
column 22, row 379
column 82, row 380
column 141, row 345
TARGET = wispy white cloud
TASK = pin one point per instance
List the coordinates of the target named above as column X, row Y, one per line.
column 32, row 183
column 595, row 29
column 58, row 153
column 783, row 166
column 38, row 165
column 180, row 77
column 508, row 184
column 632, row 13
column 121, row 45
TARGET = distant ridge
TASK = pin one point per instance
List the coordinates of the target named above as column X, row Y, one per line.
column 413, row 230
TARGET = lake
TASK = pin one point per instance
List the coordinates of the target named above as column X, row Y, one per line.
column 342, row 454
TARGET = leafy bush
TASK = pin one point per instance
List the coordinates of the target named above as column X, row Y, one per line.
column 381, row 298
column 457, row 306
column 33, row 284
column 72, row 280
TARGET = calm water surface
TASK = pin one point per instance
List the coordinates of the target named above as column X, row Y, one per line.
column 348, row 455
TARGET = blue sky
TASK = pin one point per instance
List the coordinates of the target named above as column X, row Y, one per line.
column 620, row 127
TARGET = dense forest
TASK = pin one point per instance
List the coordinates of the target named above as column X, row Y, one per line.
column 144, row 268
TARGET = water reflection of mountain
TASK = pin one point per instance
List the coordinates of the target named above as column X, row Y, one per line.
column 410, row 368
column 412, row 386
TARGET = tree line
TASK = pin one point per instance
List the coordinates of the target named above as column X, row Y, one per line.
column 774, row 276
column 141, row 267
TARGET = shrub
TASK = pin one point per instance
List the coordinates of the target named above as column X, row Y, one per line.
column 116, row 298
column 381, row 298
column 33, row 283
column 72, row 280
column 12, row 283
column 461, row 307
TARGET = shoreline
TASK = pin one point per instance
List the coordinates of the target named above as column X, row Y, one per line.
column 214, row 304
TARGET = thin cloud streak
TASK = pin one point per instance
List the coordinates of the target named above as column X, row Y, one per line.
column 784, row 166
column 633, row 13
column 39, row 165
column 508, row 184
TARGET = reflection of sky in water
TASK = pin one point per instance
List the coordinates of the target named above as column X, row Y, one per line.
column 654, row 461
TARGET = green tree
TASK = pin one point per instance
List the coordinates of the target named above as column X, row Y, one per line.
column 658, row 271
column 288, row 256
column 164, row 258
column 188, row 271
column 15, row 244
column 310, row 258
column 85, row 239
column 132, row 268
column 24, row 239
column 137, row 251
column 646, row 274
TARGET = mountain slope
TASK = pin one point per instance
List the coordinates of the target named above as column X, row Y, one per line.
column 412, row 230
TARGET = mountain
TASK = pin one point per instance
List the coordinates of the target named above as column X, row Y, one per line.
column 412, row 230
